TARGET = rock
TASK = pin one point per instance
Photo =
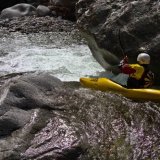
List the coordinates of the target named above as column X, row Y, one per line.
column 57, row 130
column 28, row 92
column 28, row 89
column 18, row 10
column 84, row 124
column 31, row 91
column 13, row 120
column 43, row 11
column 35, row 24
column 115, row 28
column 14, row 144
column 64, row 8
column 8, row 3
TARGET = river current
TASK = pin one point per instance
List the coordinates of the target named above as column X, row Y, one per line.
column 58, row 53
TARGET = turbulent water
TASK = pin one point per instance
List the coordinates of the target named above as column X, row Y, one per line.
column 61, row 54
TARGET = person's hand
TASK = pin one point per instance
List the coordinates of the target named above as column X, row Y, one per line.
column 124, row 61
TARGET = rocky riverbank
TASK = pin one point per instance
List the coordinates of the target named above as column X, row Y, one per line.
column 33, row 24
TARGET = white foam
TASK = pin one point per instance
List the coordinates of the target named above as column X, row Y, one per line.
column 67, row 62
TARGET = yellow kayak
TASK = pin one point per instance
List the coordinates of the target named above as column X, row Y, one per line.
column 105, row 84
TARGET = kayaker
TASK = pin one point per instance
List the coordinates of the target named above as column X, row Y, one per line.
column 140, row 76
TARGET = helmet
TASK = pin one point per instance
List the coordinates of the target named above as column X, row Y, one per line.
column 143, row 58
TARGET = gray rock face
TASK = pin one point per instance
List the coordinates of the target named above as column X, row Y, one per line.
column 19, row 121
column 25, row 94
column 30, row 92
column 114, row 27
column 43, row 11
column 18, row 10
column 13, row 120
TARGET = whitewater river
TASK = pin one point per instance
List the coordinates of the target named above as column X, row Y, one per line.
column 58, row 53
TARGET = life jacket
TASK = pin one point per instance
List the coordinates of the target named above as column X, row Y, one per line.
column 143, row 77
column 147, row 78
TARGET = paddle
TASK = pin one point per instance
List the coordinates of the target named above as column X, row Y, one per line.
column 115, row 68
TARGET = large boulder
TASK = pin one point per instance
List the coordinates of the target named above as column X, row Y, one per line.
column 8, row 3
column 116, row 28
column 23, row 94
column 30, row 91
column 18, row 10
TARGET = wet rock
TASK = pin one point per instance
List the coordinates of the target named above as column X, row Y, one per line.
column 115, row 28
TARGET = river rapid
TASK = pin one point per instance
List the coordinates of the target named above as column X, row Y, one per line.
column 56, row 52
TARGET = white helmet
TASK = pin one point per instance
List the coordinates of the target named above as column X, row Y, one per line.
column 143, row 58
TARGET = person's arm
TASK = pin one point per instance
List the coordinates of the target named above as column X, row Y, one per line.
column 125, row 67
